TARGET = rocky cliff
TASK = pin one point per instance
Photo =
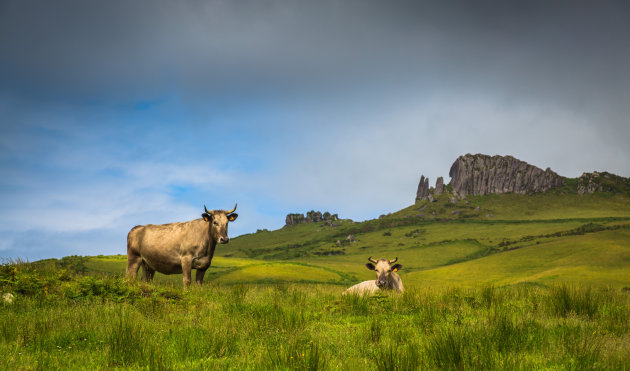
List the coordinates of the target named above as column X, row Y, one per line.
column 482, row 174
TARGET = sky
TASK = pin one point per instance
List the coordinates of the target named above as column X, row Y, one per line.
column 121, row 113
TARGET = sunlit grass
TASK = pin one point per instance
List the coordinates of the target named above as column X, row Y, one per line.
column 313, row 326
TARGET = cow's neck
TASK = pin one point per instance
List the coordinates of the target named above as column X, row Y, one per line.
column 213, row 245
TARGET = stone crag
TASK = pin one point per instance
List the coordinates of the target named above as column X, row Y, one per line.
column 439, row 186
column 423, row 188
column 426, row 193
column 482, row 175
column 311, row 217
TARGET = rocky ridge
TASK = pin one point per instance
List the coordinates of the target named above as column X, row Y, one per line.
column 482, row 175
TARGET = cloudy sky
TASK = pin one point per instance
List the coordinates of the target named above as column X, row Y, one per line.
column 118, row 113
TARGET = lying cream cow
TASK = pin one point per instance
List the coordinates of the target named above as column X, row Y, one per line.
column 386, row 278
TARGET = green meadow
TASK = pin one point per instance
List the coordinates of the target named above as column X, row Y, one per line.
column 494, row 282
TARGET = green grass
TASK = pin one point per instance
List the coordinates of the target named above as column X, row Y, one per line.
column 542, row 206
column 280, row 272
column 116, row 324
column 601, row 258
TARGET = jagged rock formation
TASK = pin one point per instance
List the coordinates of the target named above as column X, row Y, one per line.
column 602, row 182
column 423, row 188
column 482, row 174
column 439, row 186
column 311, row 217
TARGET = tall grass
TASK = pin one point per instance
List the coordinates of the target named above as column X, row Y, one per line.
column 81, row 322
column 565, row 299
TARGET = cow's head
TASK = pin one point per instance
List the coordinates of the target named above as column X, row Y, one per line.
column 384, row 269
column 218, row 221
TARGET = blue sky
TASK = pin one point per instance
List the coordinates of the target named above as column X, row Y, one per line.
column 119, row 113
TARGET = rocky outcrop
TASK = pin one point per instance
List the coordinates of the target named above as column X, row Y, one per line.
column 423, row 188
column 439, row 186
column 426, row 193
column 482, row 174
column 311, row 217
column 602, row 182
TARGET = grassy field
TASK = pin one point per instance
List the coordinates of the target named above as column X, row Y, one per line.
column 494, row 282
column 63, row 320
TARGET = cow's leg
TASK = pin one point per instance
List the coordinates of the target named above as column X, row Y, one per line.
column 133, row 264
column 147, row 272
column 199, row 275
column 186, row 269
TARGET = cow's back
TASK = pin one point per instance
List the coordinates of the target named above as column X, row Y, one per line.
column 364, row 288
column 174, row 235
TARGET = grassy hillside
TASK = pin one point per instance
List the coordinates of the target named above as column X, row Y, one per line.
column 498, row 239
column 496, row 282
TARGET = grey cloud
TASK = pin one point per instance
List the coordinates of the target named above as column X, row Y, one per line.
column 331, row 55
column 560, row 50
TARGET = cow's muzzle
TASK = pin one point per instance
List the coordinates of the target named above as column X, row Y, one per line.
column 224, row 239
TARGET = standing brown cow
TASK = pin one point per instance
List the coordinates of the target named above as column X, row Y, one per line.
column 178, row 247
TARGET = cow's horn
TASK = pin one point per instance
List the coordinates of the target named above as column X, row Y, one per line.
column 234, row 209
column 393, row 261
column 207, row 212
column 372, row 260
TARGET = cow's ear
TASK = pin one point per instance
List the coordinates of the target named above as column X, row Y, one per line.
column 206, row 217
column 232, row 217
column 396, row 267
column 370, row 266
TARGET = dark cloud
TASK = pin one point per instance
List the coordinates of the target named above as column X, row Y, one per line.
column 327, row 55
column 573, row 50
